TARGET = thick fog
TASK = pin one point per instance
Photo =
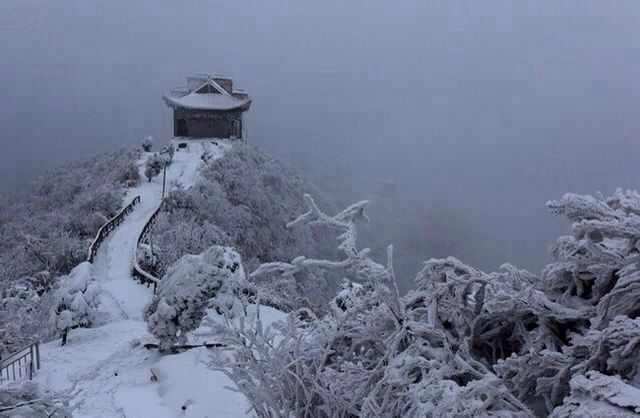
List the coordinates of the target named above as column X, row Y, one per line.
column 484, row 110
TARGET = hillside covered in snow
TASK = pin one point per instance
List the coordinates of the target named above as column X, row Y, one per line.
column 105, row 339
column 257, row 298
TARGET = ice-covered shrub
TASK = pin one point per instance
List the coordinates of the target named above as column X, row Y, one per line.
column 147, row 143
column 129, row 175
column 75, row 301
column 191, row 285
column 154, row 165
column 464, row 343
column 167, row 153
column 594, row 265
column 595, row 274
column 374, row 354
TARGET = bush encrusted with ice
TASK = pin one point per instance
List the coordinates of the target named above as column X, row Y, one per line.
column 464, row 343
column 193, row 284
column 75, row 301
column 167, row 152
column 154, row 165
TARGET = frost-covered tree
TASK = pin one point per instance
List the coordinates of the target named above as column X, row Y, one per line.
column 539, row 333
column 167, row 153
column 147, row 143
column 75, row 301
column 155, row 164
column 374, row 354
column 597, row 264
column 193, row 284
column 464, row 342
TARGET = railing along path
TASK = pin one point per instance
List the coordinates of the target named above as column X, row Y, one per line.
column 22, row 363
column 138, row 272
column 105, row 229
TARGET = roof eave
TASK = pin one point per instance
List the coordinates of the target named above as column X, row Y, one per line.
column 173, row 103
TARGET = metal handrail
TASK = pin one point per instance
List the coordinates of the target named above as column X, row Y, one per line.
column 109, row 226
column 22, row 363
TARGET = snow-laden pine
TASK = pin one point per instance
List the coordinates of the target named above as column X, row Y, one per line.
column 75, row 301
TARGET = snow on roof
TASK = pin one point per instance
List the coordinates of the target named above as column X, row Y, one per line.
column 205, row 101
column 220, row 99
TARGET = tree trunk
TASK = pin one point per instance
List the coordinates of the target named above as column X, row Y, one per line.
column 64, row 336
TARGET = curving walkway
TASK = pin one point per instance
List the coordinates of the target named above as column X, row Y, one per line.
column 124, row 298
column 103, row 369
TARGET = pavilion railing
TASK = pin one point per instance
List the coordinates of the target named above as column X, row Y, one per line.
column 105, row 229
column 21, row 364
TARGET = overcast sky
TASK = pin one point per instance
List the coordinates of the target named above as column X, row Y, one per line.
column 493, row 107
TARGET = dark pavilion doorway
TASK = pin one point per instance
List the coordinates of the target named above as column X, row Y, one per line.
column 181, row 127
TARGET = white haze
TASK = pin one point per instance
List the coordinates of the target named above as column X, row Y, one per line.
column 490, row 108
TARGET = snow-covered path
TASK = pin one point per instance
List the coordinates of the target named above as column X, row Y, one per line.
column 123, row 297
column 105, row 370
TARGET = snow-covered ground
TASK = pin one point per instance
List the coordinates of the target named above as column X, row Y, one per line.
column 108, row 374
column 105, row 370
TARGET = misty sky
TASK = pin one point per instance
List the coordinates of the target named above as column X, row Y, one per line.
column 491, row 107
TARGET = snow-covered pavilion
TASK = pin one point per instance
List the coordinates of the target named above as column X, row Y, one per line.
column 208, row 107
